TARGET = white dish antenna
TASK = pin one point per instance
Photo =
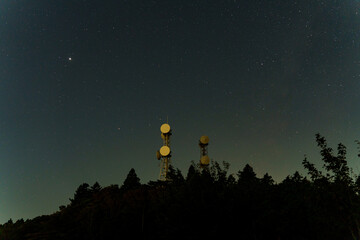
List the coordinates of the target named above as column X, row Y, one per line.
column 205, row 160
column 164, row 151
column 158, row 155
column 204, row 139
column 165, row 128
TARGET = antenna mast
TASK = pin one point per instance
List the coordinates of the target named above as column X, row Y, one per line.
column 204, row 158
column 164, row 154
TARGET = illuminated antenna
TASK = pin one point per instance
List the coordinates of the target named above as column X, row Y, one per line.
column 204, row 158
column 164, row 154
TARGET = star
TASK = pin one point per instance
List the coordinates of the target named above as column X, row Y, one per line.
column 70, row 58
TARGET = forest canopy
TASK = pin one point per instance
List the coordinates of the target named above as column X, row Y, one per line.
column 210, row 202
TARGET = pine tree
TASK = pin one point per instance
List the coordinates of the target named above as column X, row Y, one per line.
column 132, row 181
column 95, row 188
column 81, row 193
column 247, row 175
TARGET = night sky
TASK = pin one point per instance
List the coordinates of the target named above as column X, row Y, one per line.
column 85, row 86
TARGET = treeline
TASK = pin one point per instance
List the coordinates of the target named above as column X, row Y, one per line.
column 210, row 203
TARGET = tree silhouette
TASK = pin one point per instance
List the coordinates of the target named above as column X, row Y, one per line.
column 247, row 175
column 336, row 189
column 337, row 165
column 82, row 193
column 192, row 172
column 210, row 203
column 131, row 182
column 175, row 176
column 95, row 188
column 267, row 179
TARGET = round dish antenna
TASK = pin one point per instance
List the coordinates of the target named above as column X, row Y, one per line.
column 165, row 128
column 158, row 155
column 204, row 139
column 205, row 160
column 164, row 151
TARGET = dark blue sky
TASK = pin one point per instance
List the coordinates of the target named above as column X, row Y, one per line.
column 260, row 78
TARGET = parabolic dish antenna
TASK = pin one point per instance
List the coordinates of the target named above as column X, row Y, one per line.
column 205, row 160
column 204, row 139
column 164, row 151
column 165, row 128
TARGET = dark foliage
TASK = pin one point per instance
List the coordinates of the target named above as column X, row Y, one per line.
column 209, row 203
column 131, row 182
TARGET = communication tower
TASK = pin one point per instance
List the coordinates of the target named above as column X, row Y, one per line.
column 164, row 154
column 204, row 158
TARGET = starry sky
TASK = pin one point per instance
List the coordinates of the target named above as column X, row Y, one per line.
column 85, row 86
